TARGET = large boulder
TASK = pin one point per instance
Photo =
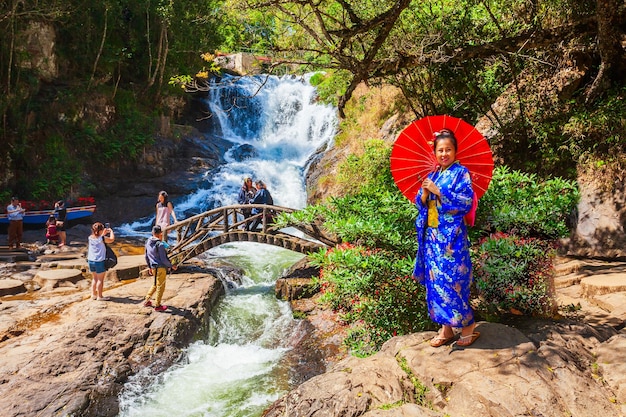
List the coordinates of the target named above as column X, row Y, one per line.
column 503, row 374
column 601, row 215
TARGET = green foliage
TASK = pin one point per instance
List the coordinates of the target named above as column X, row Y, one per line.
column 374, row 213
column 330, row 85
column 57, row 173
column 420, row 389
column 514, row 274
column 600, row 131
column 374, row 291
column 520, row 203
column 368, row 172
column 124, row 140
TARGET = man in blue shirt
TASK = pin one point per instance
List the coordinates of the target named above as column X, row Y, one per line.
column 15, row 214
column 159, row 263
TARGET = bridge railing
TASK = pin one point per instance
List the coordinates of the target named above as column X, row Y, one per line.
column 222, row 220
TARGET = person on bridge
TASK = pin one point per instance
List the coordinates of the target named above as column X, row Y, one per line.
column 164, row 213
column 246, row 195
column 262, row 196
column 159, row 263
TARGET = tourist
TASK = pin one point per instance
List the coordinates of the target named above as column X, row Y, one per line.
column 15, row 214
column 246, row 195
column 60, row 213
column 443, row 263
column 96, row 254
column 52, row 232
column 159, row 263
column 164, row 213
column 262, row 196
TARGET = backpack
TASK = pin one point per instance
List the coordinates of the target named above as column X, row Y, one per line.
column 110, row 259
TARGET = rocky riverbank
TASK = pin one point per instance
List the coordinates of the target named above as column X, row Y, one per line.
column 62, row 353
column 573, row 365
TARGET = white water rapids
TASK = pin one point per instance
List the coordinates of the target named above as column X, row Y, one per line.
column 236, row 370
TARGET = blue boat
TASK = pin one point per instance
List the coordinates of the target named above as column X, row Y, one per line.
column 41, row 216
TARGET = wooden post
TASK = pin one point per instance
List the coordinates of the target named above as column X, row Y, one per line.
column 225, row 215
column 264, row 222
column 234, row 216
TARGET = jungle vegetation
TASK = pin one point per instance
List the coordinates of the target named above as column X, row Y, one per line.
column 558, row 62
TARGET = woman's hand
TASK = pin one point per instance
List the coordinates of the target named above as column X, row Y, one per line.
column 429, row 186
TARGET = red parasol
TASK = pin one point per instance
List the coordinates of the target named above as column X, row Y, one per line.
column 413, row 157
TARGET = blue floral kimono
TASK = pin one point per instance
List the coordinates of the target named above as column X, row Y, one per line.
column 443, row 263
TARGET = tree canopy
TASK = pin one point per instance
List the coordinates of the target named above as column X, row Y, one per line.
column 459, row 57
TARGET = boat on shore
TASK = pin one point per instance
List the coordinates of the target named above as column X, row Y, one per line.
column 38, row 217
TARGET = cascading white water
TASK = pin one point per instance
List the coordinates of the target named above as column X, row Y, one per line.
column 237, row 371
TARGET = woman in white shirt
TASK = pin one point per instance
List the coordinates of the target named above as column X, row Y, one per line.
column 96, row 253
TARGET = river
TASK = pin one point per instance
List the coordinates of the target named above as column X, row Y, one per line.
column 237, row 368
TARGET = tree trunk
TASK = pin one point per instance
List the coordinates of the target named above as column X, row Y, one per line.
column 609, row 47
column 104, row 37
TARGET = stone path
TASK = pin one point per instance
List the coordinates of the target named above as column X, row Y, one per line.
column 595, row 288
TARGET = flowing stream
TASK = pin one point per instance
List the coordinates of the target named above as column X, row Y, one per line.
column 236, row 369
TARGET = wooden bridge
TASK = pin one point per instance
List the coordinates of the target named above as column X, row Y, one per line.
column 212, row 228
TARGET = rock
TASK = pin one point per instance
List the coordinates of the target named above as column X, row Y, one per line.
column 53, row 278
column 296, row 282
column 36, row 50
column 11, row 287
column 70, row 355
column 603, row 284
column 611, row 364
column 295, row 288
column 600, row 229
column 504, row 373
column 128, row 267
column 242, row 152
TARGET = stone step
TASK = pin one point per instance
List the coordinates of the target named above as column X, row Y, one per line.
column 565, row 266
column 128, row 267
column 600, row 284
column 13, row 255
column 614, row 303
column 11, row 287
column 54, row 278
column 567, row 280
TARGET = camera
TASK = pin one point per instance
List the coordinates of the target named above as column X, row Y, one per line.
column 107, row 225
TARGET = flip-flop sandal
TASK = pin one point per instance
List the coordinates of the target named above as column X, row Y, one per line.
column 438, row 341
column 465, row 341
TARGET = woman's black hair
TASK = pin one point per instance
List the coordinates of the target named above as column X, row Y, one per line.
column 165, row 197
column 445, row 134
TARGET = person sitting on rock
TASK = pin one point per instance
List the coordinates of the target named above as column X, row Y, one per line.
column 52, row 232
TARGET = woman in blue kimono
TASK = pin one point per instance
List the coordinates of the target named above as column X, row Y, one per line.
column 443, row 263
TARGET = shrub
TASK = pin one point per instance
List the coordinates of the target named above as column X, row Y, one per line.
column 514, row 274
column 373, row 290
column 521, row 204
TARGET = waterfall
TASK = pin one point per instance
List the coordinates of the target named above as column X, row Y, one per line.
column 237, row 369
column 274, row 132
